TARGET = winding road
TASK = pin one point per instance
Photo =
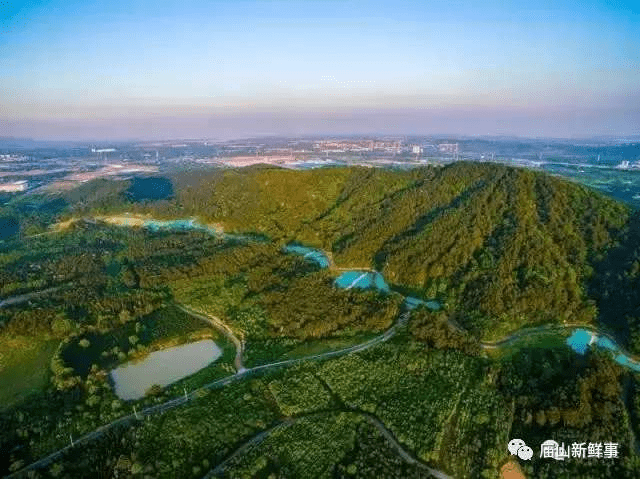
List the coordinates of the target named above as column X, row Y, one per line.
column 179, row 401
column 406, row 456
column 242, row 373
column 547, row 328
column 218, row 324
column 558, row 328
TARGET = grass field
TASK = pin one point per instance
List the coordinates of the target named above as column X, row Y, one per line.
column 24, row 367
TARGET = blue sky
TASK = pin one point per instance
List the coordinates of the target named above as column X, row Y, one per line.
column 87, row 70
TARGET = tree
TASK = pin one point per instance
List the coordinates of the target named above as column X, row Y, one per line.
column 154, row 390
column 61, row 326
column 130, row 277
column 56, row 470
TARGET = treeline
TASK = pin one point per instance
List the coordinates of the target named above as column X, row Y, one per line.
column 298, row 300
column 557, row 394
column 314, row 308
column 616, row 287
column 435, row 330
column 87, row 278
column 109, row 275
column 73, row 310
column 425, row 398
column 503, row 247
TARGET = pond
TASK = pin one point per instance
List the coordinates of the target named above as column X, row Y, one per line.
column 309, row 253
column 362, row 280
column 133, row 380
column 581, row 339
column 412, row 303
column 192, row 224
column 178, row 225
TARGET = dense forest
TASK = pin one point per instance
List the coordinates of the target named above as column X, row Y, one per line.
column 502, row 247
column 499, row 248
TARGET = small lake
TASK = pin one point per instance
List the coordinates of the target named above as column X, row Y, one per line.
column 133, row 380
column 582, row 339
column 412, row 303
column 309, row 253
column 192, row 224
column 179, row 225
column 362, row 280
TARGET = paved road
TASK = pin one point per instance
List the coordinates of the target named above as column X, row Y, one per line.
column 241, row 374
column 406, row 456
column 254, row 441
column 26, row 297
column 511, row 338
column 403, row 453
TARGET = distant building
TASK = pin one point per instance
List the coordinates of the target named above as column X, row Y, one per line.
column 627, row 165
column 448, row 148
column 341, row 146
column 240, row 161
column 111, row 170
column 624, row 165
column 416, row 149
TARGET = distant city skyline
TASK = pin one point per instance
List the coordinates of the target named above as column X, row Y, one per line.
column 97, row 70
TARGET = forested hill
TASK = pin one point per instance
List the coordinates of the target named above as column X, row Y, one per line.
column 503, row 247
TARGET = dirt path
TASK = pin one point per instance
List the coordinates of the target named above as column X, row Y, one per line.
column 224, row 329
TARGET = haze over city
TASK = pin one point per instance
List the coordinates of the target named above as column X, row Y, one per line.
column 319, row 238
column 152, row 70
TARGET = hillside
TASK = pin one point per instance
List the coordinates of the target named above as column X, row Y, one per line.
column 503, row 247
column 500, row 248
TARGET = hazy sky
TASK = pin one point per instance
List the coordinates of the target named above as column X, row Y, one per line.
column 219, row 69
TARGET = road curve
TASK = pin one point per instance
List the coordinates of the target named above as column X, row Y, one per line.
column 241, row 374
column 254, row 441
column 222, row 327
column 406, row 456
column 510, row 338
column 403, row 453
